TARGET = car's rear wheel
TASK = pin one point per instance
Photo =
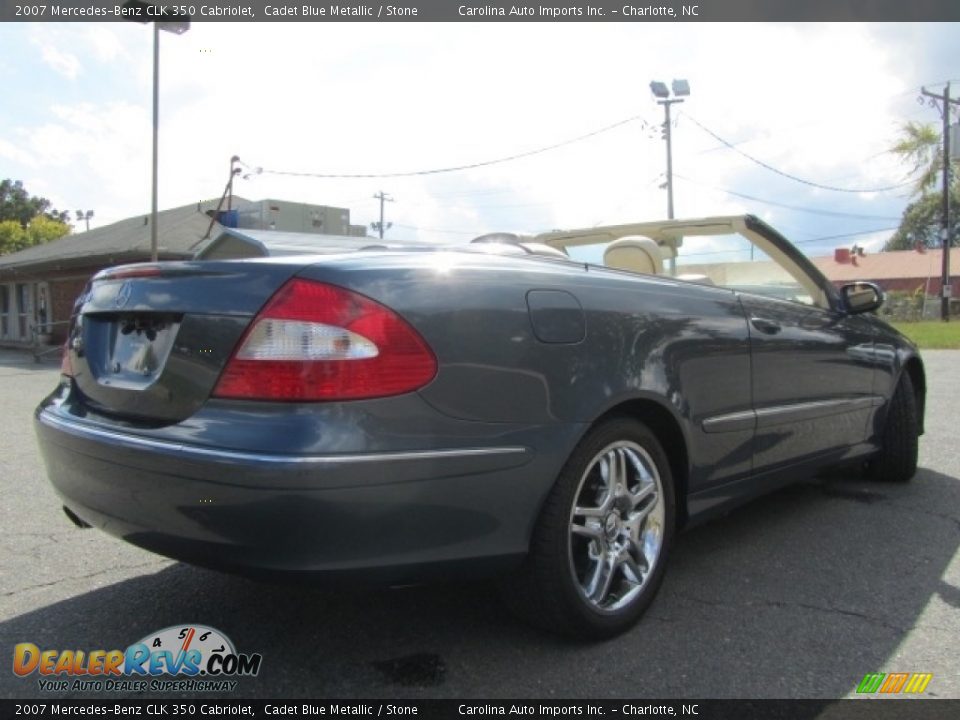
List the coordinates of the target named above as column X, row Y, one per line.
column 897, row 459
column 599, row 549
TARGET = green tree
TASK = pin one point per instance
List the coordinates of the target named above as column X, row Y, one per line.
column 12, row 236
column 921, row 222
column 919, row 145
column 27, row 220
column 43, row 229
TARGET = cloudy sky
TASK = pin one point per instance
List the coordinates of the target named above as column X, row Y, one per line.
column 821, row 102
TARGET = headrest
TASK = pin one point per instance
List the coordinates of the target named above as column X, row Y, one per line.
column 634, row 253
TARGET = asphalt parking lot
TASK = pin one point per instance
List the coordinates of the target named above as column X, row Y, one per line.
column 798, row 594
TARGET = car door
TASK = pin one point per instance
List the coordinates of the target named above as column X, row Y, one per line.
column 811, row 363
column 812, row 379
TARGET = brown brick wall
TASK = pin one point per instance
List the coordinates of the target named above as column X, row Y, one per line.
column 63, row 293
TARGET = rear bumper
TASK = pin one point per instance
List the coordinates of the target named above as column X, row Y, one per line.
column 386, row 516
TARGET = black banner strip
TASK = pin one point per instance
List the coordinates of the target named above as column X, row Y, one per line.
column 495, row 11
column 875, row 708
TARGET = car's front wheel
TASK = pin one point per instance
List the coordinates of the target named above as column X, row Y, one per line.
column 899, row 443
column 599, row 548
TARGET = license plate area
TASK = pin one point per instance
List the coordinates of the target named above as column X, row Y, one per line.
column 134, row 347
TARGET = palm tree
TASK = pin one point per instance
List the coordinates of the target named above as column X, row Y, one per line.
column 919, row 145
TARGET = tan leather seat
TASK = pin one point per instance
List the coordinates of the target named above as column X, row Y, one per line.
column 634, row 253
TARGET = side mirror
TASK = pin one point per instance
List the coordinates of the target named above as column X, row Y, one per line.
column 861, row 297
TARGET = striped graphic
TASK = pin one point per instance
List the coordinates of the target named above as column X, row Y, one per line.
column 892, row 683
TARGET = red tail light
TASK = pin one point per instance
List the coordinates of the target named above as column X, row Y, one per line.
column 314, row 341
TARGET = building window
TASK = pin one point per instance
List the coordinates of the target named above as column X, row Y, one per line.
column 4, row 311
column 23, row 311
column 43, row 312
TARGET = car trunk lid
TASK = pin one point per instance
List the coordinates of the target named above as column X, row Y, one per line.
column 149, row 341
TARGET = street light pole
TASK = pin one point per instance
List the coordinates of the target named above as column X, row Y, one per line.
column 681, row 89
column 156, row 141
column 668, row 137
column 85, row 216
column 178, row 26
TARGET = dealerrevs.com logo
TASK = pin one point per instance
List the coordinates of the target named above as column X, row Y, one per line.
column 894, row 683
column 180, row 658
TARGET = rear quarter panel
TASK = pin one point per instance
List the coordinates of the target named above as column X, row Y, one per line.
column 682, row 346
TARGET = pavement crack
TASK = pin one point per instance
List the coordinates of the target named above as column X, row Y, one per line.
column 69, row 578
column 931, row 513
column 784, row 604
column 836, row 611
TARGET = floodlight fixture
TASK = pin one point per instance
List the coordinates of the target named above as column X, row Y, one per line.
column 160, row 15
column 659, row 89
column 681, row 90
column 85, row 216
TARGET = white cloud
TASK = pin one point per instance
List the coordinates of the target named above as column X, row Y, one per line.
column 64, row 63
column 16, row 154
column 92, row 155
column 104, row 42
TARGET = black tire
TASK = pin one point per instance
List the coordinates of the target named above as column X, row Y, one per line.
column 549, row 589
column 897, row 459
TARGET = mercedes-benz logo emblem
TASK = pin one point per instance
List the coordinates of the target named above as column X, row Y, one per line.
column 123, row 295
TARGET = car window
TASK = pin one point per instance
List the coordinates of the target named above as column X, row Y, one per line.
column 731, row 261
column 734, row 262
column 592, row 253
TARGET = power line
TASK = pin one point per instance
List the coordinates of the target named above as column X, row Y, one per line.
column 787, row 175
column 799, row 242
column 456, row 168
column 844, row 235
column 798, row 208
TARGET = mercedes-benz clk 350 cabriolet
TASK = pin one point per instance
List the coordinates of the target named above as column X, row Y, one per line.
column 552, row 408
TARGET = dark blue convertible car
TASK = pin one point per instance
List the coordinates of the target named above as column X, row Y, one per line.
column 552, row 408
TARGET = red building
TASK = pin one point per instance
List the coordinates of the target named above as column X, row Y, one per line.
column 904, row 270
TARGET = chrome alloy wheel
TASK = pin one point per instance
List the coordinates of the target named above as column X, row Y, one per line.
column 616, row 526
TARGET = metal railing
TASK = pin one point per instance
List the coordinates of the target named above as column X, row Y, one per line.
column 40, row 349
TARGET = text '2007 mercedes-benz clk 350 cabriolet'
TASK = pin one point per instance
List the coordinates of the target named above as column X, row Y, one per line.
column 552, row 408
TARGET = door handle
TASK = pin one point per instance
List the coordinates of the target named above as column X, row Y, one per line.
column 768, row 327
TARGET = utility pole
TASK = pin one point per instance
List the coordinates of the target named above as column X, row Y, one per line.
column 380, row 226
column 946, row 286
column 227, row 197
column 667, row 136
column 234, row 171
column 681, row 89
